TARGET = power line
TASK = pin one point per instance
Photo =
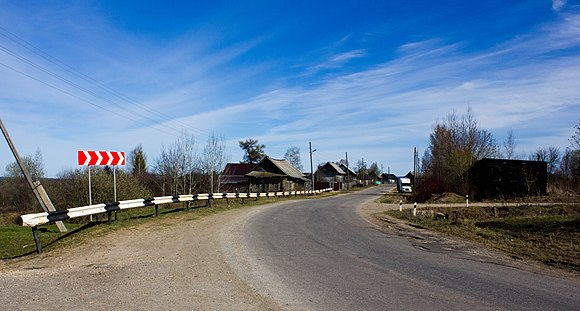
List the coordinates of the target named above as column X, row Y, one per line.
column 77, row 97
column 23, row 43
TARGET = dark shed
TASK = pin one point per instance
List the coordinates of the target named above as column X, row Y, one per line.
column 495, row 178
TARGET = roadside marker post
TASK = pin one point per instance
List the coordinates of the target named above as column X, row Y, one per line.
column 467, row 200
column 92, row 158
column 36, row 240
column 415, row 209
column 400, row 205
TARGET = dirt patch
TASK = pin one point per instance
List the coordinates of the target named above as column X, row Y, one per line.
column 136, row 268
column 447, row 197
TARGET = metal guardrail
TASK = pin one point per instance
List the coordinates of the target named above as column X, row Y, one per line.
column 37, row 219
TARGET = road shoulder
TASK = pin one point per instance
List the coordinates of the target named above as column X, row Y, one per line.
column 373, row 213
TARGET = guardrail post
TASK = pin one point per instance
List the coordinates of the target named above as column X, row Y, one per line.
column 156, row 210
column 36, row 240
column 109, row 217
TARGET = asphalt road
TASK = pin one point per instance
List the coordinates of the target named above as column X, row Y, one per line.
column 321, row 255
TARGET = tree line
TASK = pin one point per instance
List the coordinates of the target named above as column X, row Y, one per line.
column 457, row 141
column 182, row 167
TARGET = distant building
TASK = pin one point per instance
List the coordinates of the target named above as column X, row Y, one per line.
column 330, row 175
column 389, row 178
column 411, row 177
column 496, row 178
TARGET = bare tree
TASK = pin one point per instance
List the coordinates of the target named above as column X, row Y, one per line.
column 177, row 165
column 551, row 155
column 455, row 144
column 15, row 192
column 361, row 169
column 570, row 167
column 374, row 168
column 575, row 139
column 214, row 159
column 510, row 145
column 33, row 164
column 293, row 156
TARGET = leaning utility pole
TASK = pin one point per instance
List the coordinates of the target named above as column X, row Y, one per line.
column 36, row 187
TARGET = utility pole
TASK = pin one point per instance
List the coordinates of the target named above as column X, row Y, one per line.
column 311, row 168
column 415, row 166
column 39, row 192
column 363, row 171
column 347, row 172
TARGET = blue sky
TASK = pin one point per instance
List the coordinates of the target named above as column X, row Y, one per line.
column 369, row 78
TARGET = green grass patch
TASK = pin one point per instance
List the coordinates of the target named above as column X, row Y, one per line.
column 550, row 234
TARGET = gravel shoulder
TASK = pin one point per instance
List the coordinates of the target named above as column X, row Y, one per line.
column 373, row 213
column 162, row 265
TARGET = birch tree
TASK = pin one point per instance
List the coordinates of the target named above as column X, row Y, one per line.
column 292, row 155
column 177, row 165
column 214, row 159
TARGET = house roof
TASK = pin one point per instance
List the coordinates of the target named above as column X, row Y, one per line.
column 334, row 167
column 262, row 174
column 282, row 168
column 344, row 168
column 389, row 176
column 236, row 173
column 238, row 168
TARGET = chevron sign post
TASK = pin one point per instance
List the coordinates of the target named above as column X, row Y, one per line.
column 91, row 158
column 101, row 157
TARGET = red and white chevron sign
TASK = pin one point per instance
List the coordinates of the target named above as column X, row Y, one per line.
column 101, row 157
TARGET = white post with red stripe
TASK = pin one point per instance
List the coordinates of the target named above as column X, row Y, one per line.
column 91, row 158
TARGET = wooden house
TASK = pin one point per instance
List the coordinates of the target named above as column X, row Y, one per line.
column 271, row 175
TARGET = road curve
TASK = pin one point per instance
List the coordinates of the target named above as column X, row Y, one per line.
column 321, row 255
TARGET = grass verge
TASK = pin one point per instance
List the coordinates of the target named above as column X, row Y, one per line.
column 549, row 234
column 17, row 241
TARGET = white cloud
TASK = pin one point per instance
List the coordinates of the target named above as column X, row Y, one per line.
column 339, row 60
column 557, row 5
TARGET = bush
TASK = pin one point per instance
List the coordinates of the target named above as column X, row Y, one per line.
column 71, row 189
column 426, row 189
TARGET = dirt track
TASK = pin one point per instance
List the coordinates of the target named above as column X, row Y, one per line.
column 136, row 269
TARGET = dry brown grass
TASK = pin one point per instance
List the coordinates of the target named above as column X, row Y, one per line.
column 547, row 233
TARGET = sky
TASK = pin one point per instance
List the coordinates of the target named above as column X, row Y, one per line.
column 367, row 78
